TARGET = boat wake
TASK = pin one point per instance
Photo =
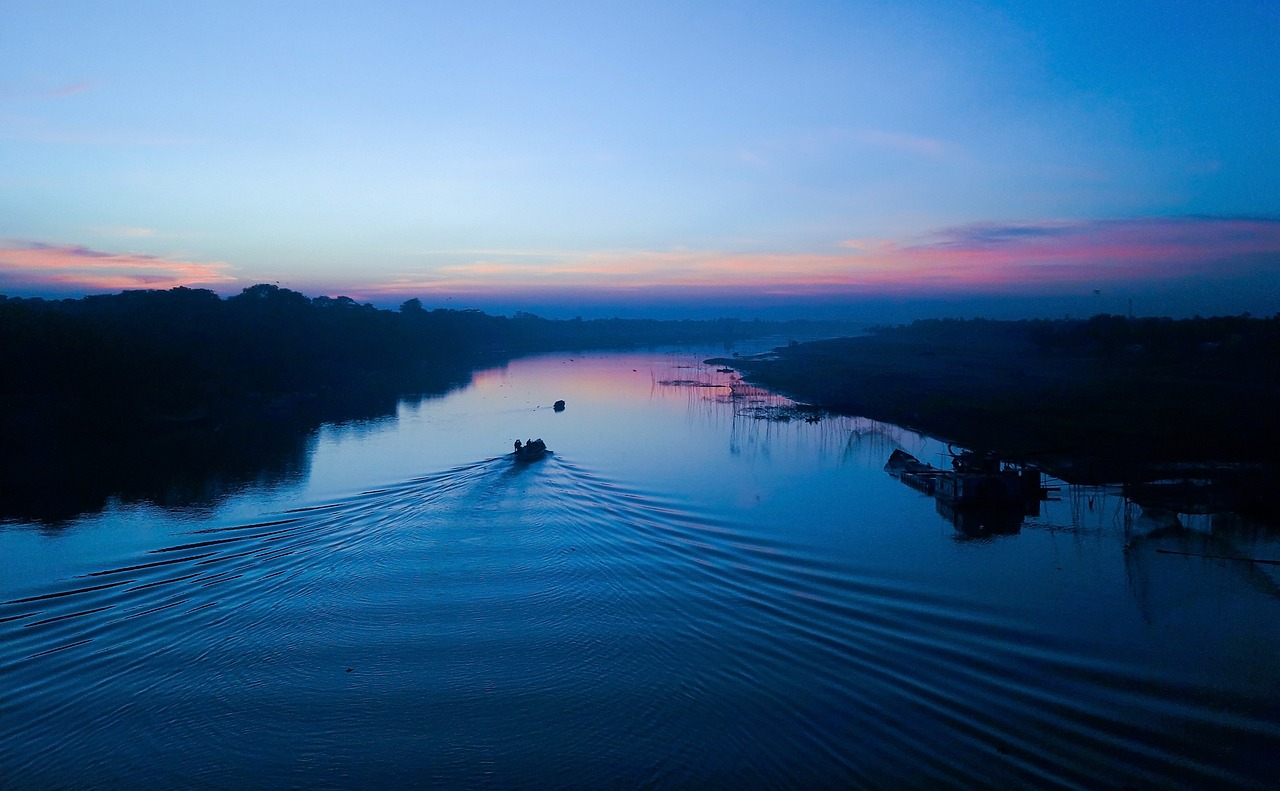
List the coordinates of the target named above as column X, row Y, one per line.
column 543, row 624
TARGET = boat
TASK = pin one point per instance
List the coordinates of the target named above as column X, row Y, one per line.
column 532, row 450
column 980, row 494
column 974, row 478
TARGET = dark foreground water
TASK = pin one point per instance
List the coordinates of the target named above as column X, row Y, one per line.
column 683, row 594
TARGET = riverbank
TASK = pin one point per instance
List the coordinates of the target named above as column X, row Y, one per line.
column 1105, row 400
column 177, row 396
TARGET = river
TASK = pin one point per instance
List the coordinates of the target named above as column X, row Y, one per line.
column 697, row 587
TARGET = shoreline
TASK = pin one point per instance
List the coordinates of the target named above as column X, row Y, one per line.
column 1201, row 424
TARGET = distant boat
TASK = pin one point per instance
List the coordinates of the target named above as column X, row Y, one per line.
column 558, row 406
column 531, row 451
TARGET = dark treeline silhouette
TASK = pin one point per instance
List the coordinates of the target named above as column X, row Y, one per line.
column 161, row 395
column 1139, row 340
column 155, row 356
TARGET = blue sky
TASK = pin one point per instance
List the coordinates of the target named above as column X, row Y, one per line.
column 602, row 158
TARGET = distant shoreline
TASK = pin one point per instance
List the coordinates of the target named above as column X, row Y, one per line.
column 1107, row 400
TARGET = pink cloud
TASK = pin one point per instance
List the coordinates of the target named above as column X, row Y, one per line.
column 1026, row 258
column 1082, row 252
column 69, row 267
column 979, row 258
column 71, row 89
column 45, row 91
column 919, row 145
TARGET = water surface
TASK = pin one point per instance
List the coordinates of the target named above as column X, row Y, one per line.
column 697, row 587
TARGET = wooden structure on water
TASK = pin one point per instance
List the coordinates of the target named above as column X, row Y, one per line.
column 981, row 494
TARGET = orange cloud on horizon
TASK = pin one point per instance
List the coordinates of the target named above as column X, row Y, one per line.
column 59, row 266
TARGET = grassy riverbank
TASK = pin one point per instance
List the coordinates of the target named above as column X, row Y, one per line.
column 1109, row 398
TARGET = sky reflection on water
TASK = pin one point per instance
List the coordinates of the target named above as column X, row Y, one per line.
column 680, row 594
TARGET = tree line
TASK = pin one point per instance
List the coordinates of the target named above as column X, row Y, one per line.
column 139, row 357
column 1149, row 339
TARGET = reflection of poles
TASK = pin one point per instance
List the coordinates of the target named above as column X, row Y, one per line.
column 1093, row 508
column 876, row 440
column 735, row 447
column 1077, row 498
column 1128, row 521
column 754, row 411
column 1083, row 499
column 1219, row 557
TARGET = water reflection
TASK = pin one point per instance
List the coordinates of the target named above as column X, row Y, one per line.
column 194, row 468
column 1175, row 569
column 703, row 585
column 756, row 418
column 982, row 495
column 189, row 466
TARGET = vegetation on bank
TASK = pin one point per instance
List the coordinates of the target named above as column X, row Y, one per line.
column 1100, row 397
column 176, row 396
column 140, row 358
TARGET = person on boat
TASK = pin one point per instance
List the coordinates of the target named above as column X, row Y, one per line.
column 518, row 446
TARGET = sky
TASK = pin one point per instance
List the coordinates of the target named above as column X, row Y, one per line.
column 835, row 159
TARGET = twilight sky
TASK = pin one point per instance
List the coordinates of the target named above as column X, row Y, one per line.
column 598, row 158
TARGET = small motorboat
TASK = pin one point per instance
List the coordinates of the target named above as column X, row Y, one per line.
column 532, row 450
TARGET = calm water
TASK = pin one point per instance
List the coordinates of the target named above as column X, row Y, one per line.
column 681, row 594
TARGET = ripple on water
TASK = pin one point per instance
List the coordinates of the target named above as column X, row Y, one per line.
column 543, row 624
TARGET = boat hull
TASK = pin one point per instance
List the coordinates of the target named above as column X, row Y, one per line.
column 530, row 451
